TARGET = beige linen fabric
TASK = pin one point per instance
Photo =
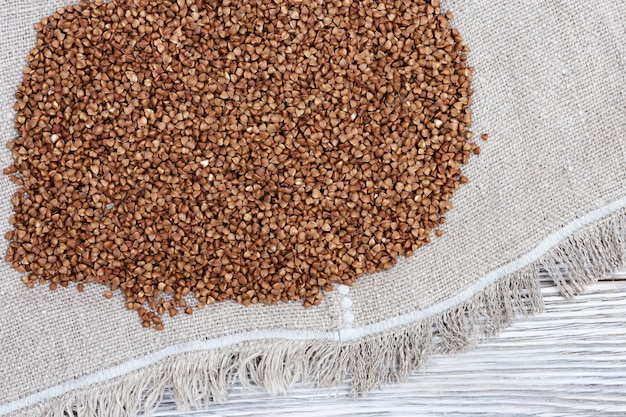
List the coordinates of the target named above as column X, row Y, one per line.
column 550, row 88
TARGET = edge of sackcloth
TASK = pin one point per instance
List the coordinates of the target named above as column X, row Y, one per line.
column 198, row 379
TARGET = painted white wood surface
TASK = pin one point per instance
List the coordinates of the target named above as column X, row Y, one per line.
column 568, row 361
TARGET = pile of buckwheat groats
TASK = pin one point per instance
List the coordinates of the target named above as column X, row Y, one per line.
column 253, row 150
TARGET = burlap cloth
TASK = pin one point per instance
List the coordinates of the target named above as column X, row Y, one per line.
column 548, row 189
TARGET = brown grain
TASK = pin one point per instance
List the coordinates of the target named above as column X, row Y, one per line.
column 235, row 150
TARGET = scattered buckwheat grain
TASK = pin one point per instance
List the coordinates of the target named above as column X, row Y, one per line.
column 251, row 150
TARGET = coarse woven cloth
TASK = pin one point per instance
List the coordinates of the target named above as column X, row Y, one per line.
column 549, row 87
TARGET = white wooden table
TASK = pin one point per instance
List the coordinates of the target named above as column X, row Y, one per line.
column 568, row 361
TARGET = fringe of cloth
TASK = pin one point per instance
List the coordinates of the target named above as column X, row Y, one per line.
column 201, row 378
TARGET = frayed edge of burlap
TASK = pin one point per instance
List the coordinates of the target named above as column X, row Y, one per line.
column 200, row 378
